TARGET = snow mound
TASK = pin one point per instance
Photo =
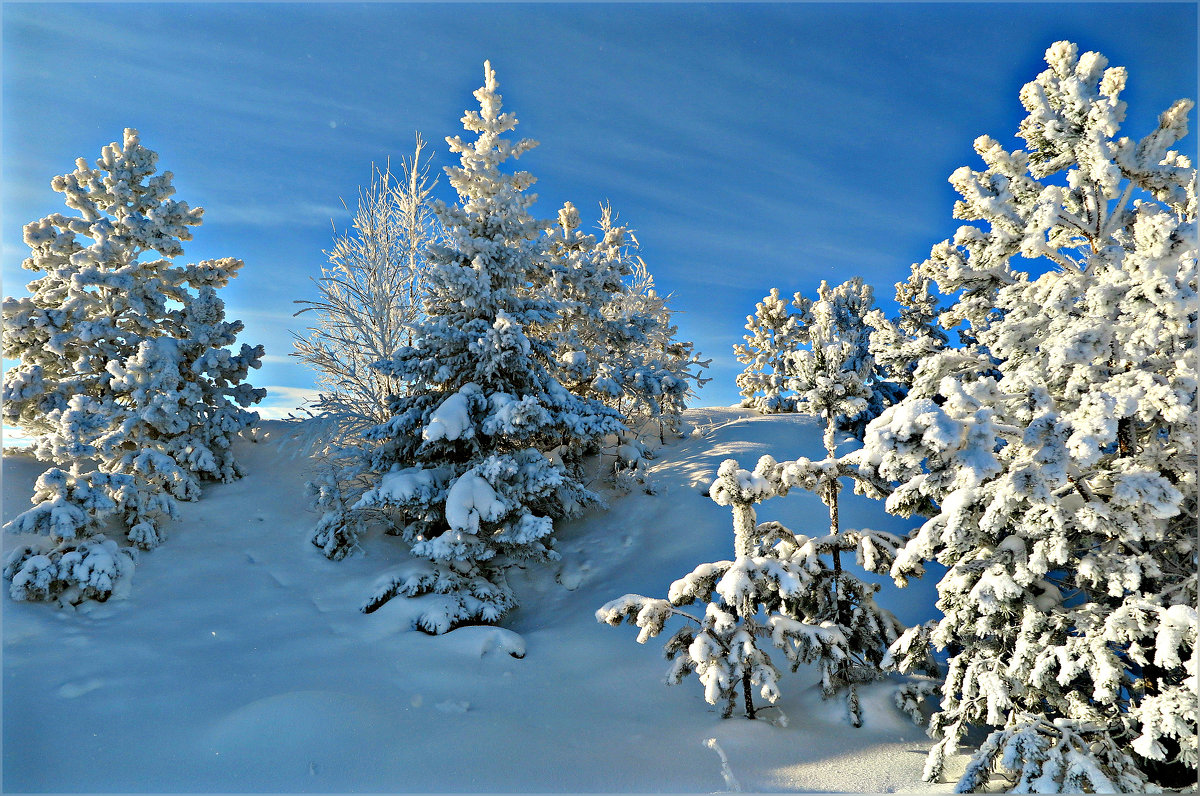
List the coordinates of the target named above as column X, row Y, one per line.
column 480, row 641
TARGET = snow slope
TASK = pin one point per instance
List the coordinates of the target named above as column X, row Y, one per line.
column 241, row 663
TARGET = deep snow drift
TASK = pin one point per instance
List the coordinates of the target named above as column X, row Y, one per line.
column 240, row 662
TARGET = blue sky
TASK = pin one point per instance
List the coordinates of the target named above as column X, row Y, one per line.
column 750, row 146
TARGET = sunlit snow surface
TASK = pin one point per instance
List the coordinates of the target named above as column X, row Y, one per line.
column 241, row 662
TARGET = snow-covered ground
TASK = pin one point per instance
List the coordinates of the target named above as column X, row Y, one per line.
column 241, row 662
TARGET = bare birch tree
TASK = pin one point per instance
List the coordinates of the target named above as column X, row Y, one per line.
column 369, row 295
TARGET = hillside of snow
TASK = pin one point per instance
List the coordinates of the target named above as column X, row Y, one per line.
column 241, row 662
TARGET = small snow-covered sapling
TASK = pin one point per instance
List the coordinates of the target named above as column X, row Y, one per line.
column 777, row 590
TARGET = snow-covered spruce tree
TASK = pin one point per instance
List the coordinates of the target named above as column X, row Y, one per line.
column 617, row 342
column 123, row 366
column 832, row 371
column 585, row 278
column 369, row 298
column 898, row 345
column 774, row 332
column 462, row 463
column 615, row 337
column 582, row 279
column 582, row 282
column 1055, row 454
column 780, row 586
column 660, row 371
column 656, row 371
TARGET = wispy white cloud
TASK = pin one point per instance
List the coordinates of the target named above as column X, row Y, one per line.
column 277, row 214
column 283, row 401
column 277, row 316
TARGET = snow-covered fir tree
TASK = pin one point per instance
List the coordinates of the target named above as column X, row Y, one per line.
column 584, row 278
column 124, row 367
column 616, row 340
column 780, row 589
column 785, row 352
column 1055, row 453
column 773, row 333
column 462, row 464
column 660, row 371
column 369, row 298
column 582, row 281
column 639, row 366
column 898, row 345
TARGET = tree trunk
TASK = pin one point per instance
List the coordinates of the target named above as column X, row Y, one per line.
column 1126, row 442
column 744, row 523
column 746, row 693
column 831, row 499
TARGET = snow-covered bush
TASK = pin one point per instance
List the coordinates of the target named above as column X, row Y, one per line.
column 462, row 465
column 123, row 362
column 369, row 298
column 1055, row 453
column 781, row 586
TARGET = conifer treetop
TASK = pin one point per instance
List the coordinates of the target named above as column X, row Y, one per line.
column 488, row 151
column 123, row 207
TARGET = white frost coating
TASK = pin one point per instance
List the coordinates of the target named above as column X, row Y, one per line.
column 366, row 303
column 470, row 501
